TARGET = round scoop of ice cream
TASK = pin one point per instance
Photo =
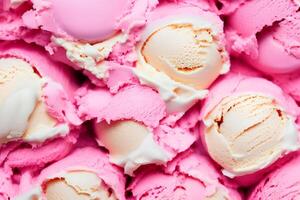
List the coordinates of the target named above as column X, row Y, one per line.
column 189, row 176
column 267, row 33
column 248, row 132
column 281, row 184
column 23, row 114
column 130, row 144
column 181, row 55
column 185, row 53
column 249, row 124
column 83, row 175
column 36, row 107
column 77, row 185
column 65, row 18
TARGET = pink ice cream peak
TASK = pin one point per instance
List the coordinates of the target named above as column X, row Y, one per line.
column 134, row 102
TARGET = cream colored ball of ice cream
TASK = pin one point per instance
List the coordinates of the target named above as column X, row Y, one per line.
column 184, row 52
column 22, row 112
column 121, row 137
column 78, row 185
column 130, row 144
column 247, row 133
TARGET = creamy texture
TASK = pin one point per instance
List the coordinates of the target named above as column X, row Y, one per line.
column 90, row 57
column 130, row 144
column 180, row 57
column 75, row 185
column 23, row 114
column 283, row 183
column 78, row 185
column 248, row 132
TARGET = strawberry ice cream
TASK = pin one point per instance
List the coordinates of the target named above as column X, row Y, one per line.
column 281, row 184
column 266, row 33
column 189, row 176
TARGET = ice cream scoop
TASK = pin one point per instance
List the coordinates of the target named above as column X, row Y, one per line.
column 280, row 184
column 249, row 125
column 25, row 110
column 37, row 115
column 266, row 33
column 81, row 42
column 135, row 117
column 78, row 185
column 130, row 144
column 64, row 18
column 84, row 174
column 189, row 176
column 181, row 54
column 22, row 86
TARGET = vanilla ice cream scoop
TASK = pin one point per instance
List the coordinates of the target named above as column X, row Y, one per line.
column 23, row 114
column 78, row 185
column 130, row 144
column 248, row 132
column 186, row 53
column 181, row 55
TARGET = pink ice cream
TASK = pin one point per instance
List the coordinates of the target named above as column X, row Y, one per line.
column 245, row 149
column 266, row 33
column 36, row 107
column 281, row 184
column 136, row 112
column 64, row 18
column 84, row 174
column 6, row 185
column 225, row 7
column 189, row 176
column 290, row 83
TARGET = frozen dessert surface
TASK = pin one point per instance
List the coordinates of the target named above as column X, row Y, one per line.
column 280, row 184
column 85, row 173
column 181, row 55
column 248, row 132
column 22, row 86
column 78, row 185
column 240, row 109
column 138, row 144
column 189, row 176
column 266, row 34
